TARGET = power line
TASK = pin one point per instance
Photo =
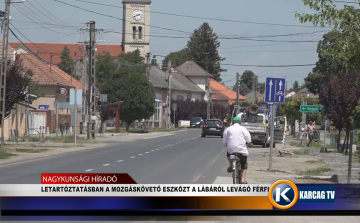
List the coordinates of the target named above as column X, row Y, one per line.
column 52, row 14
column 158, row 27
column 207, row 18
column 52, row 24
column 37, row 22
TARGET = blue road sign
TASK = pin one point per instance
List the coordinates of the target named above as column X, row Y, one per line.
column 269, row 109
column 43, row 107
column 275, row 90
column 262, row 108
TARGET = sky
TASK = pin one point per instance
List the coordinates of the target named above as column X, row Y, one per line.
column 30, row 19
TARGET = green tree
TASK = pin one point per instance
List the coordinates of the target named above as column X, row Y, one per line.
column 124, row 80
column 203, row 49
column 67, row 64
column 249, row 79
column 296, row 86
column 19, row 83
column 261, row 87
column 345, row 21
column 177, row 58
column 244, row 90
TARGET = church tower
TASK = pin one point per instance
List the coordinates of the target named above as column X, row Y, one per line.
column 136, row 26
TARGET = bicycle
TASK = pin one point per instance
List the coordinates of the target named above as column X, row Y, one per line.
column 237, row 171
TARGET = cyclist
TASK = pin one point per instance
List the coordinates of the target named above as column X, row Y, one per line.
column 235, row 139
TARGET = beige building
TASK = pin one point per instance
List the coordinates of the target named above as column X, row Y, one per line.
column 136, row 26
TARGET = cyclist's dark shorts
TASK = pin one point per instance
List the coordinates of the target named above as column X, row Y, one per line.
column 243, row 160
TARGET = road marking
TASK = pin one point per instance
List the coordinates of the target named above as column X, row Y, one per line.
column 106, row 165
column 152, row 150
column 140, row 154
column 196, row 178
column 165, row 146
column 88, row 170
column 156, row 149
column 158, row 136
column 119, row 161
column 132, row 157
column 146, row 152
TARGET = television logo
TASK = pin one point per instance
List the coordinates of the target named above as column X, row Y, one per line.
column 283, row 194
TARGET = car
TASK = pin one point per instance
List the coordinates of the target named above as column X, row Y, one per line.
column 213, row 127
column 196, row 122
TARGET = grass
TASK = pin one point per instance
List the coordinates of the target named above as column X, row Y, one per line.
column 122, row 130
column 342, row 134
column 305, row 152
column 63, row 139
column 5, row 155
column 296, row 144
column 315, row 172
column 314, row 161
column 37, row 151
column 356, row 157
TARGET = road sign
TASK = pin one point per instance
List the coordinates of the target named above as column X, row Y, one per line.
column 78, row 97
column 62, row 91
column 311, row 108
column 275, row 90
column 269, row 109
column 262, row 108
column 174, row 107
column 43, row 107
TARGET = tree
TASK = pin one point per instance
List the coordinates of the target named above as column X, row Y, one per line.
column 345, row 21
column 203, row 50
column 296, row 86
column 67, row 64
column 244, row 90
column 19, row 83
column 177, row 58
column 261, row 87
column 249, row 79
column 125, row 81
column 106, row 112
column 340, row 98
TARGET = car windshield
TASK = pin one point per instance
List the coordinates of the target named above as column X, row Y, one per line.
column 213, row 122
column 196, row 119
column 252, row 118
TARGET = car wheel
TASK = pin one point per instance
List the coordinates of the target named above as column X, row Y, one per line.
column 263, row 145
column 274, row 145
column 222, row 136
column 203, row 135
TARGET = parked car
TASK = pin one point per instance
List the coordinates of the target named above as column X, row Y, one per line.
column 212, row 127
column 196, row 122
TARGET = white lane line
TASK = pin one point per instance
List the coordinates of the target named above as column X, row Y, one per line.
column 88, row 170
column 152, row 150
column 140, row 154
column 132, row 157
column 146, row 152
column 158, row 136
column 119, row 161
column 106, row 164
column 165, row 146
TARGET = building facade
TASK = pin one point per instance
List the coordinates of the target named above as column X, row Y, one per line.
column 136, row 26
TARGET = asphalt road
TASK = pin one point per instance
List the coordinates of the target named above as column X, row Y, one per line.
column 177, row 159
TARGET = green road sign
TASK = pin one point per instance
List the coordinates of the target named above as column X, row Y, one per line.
column 311, row 108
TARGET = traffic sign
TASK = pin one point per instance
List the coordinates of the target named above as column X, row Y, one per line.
column 269, row 109
column 275, row 90
column 62, row 91
column 43, row 107
column 311, row 108
column 262, row 108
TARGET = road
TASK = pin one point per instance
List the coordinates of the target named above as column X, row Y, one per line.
column 176, row 159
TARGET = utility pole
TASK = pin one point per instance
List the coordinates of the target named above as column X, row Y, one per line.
column 168, row 115
column 4, row 59
column 147, row 65
column 91, row 86
column 237, row 92
column 84, row 80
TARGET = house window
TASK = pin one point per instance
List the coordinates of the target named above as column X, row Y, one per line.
column 179, row 97
column 157, row 111
column 140, row 32
column 134, row 32
column 158, row 96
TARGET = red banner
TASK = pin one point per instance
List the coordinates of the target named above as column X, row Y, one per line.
column 86, row 178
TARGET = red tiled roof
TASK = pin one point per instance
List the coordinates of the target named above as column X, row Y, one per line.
column 221, row 92
column 45, row 50
column 42, row 74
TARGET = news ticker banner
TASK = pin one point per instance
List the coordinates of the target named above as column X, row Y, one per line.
column 120, row 191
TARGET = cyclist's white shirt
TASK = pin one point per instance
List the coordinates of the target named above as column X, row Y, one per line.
column 236, row 138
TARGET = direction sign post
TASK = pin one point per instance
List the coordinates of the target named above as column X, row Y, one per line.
column 274, row 94
column 311, row 108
